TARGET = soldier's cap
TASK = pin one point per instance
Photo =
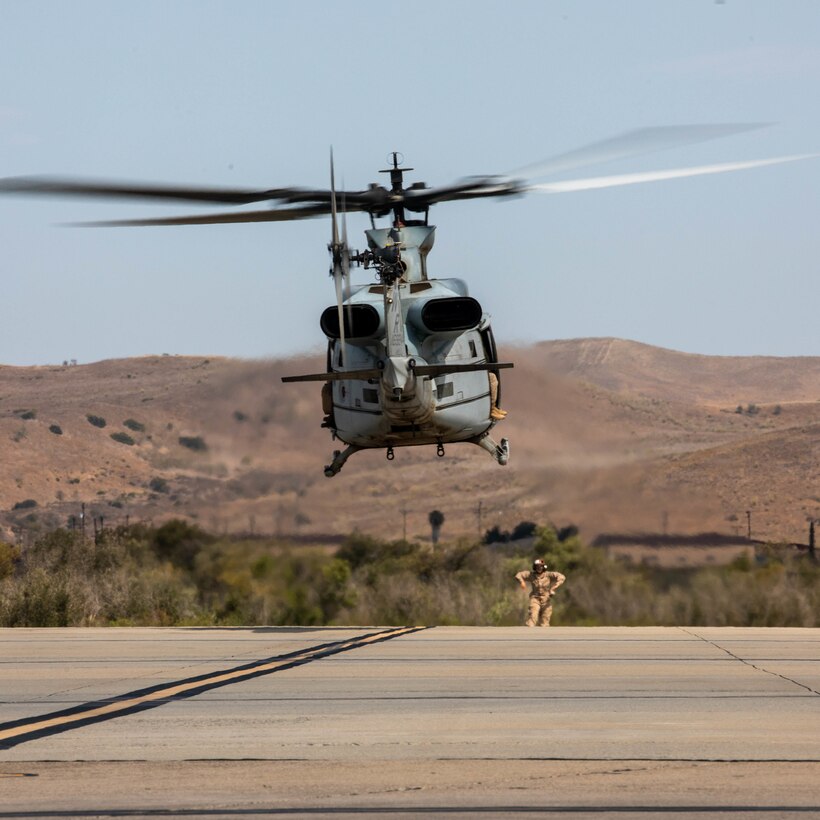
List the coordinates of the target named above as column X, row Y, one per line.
column 539, row 563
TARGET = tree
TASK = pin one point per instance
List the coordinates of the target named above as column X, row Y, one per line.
column 436, row 520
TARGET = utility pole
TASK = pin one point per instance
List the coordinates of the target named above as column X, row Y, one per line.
column 749, row 524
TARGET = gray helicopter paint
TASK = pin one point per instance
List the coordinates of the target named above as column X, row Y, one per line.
column 420, row 417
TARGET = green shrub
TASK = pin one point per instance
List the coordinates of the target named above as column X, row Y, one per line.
column 97, row 421
column 56, row 429
column 195, row 443
column 9, row 556
column 179, row 542
column 133, row 424
column 123, row 438
column 179, row 574
column 28, row 504
column 524, row 529
column 159, row 485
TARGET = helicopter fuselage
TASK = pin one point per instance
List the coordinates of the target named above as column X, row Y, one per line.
column 410, row 360
column 380, row 412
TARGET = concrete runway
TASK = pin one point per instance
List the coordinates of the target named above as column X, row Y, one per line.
column 295, row 722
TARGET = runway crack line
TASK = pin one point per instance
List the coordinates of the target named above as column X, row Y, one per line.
column 16, row 732
column 749, row 663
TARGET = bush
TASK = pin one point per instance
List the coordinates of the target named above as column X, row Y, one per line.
column 159, row 485
column 97, row 421
column 73, row 581
column 179, row 542
column 195, row 443
column 123, row 438
column 28, row 415
column 56, row 429
column 133, row 424
column 9, row 556
column 179, row 574
column 496, row 535
column 524, row 529
column 28, row 504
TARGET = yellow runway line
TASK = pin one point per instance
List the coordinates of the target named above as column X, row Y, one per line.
column 177, row 689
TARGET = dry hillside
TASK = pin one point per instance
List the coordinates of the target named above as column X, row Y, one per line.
column 608, row 434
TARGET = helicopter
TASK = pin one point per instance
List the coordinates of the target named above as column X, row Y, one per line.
column 411, row 359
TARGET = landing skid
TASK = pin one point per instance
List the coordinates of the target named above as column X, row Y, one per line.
column 339, row 459
column 500, row 452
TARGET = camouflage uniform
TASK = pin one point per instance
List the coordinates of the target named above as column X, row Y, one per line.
column 543, row 585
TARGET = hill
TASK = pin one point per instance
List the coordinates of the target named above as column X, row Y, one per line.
column 607, row 434
column 625, row 366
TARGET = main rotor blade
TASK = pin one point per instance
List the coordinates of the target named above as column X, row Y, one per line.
column 273, row 215
column 57, row 186
column 630, row 144
column 419, row 199
column 593, row 183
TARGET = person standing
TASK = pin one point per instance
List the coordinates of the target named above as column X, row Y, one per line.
column 543, row 585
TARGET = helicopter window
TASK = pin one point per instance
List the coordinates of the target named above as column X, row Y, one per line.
column 473, row 353
column 444, row 390
column 415, row 287
column 376, row 289
column 371, row 396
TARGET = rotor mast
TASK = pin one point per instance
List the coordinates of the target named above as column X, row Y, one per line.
column 396, row 197
column 400, row 252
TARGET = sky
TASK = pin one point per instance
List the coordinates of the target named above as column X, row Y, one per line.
column 255, row 93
